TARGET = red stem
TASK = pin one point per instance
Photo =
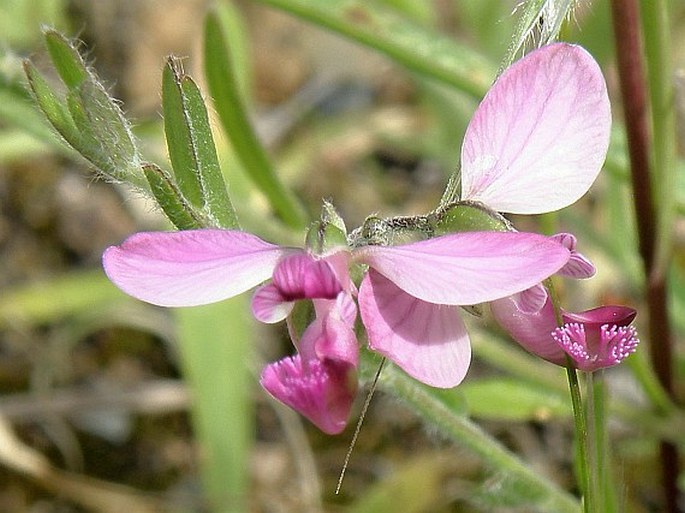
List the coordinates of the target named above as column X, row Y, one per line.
column 626, row 20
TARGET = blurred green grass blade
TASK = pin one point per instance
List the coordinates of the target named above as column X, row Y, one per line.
column 216, row 350
column 513, row 400
column 422, row 50
column 181, row 214
column 18, row 145
column 17, row 110
column 65, row 58
column 50, row 300
column 21, row 19
column 191, row 146
column 225, row 89
column 413, row 488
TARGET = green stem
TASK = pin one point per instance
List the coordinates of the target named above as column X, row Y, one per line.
column 596, row 386
column 539, row 491
column 593, row 445
column 581, row 430
column 579, row 418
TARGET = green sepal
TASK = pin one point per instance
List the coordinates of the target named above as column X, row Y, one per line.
column 330, row 216
column 322, row 238
column 66, row 59
column 171, row 200
column 467, row 216
column 191, row 146
column 328, row 233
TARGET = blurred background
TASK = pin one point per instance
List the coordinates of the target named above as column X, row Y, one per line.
column 99, row 393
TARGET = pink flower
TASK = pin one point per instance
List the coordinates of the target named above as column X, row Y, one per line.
column 540, row 136
column 408, row 300
column 535, row 144
column 594, row 339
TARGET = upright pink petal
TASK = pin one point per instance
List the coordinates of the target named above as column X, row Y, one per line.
column 467, row 268
column 532, row 330
column 429, row 342
column 189, row 268
column 540, row 136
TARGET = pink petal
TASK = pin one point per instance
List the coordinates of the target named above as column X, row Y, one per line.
column 539, row 138
column 269, row 305
column 467, row 268
column 607, row 314
column 343, row 308
column 578, row 266
column 429, row 342
column 322, row 391
column 303, row 276
column 532, row 330
column 330, row 338
column 188, row 268
column 531, row 300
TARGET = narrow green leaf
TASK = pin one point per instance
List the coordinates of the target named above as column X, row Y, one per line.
column 191, row 146
column 111, row 127
column 221, row 78
column 171, row 200
column 419, row 49
column 215, row 191
column 179, row 136
column 66, row 59
column 236, row 32
column 216, row 348
column 58, row 115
